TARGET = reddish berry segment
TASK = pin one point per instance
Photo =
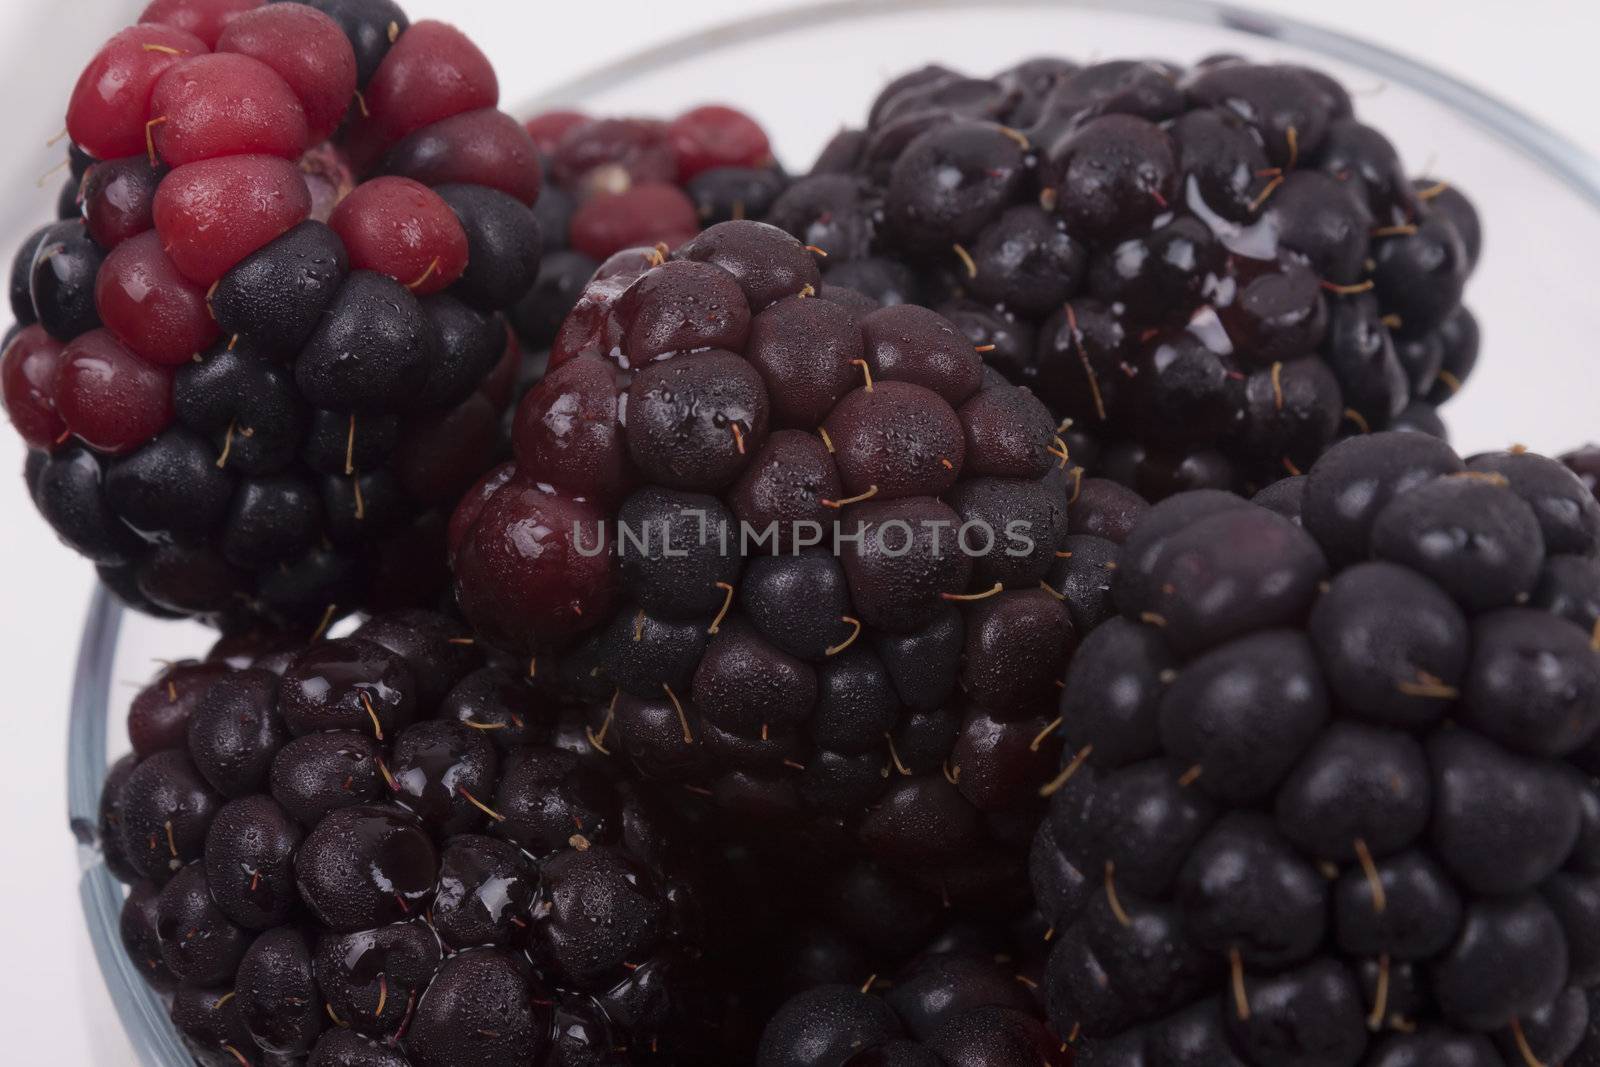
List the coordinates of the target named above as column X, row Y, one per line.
column 110, row 103
column 290, row 422
column 472, row 502
column 108, row 397
column 212, row 214
column 27, row 373
column 716, row 136
column 642, row 216
column 548, row 128
column 154, row 310
column 568, row 432
column 401, row 228
column 307, row 50
column 535, row 568
column 612, row 154
column 118, row 196
column 224, row 105
column 431, row 73
column 203, row 18
column 484, row 147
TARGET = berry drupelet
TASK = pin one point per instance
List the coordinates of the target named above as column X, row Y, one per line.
column 382, row 849
column 268, row 345
column 1328, row 791
column 616, row 183
column 811, row 561
column 1215, row 273
column 954, row 1004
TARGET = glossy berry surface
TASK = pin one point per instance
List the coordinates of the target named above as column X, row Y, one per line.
column 1215, row 272
column 613, row 184
column 386, row 883
column 265, row 344
column 1302, row 806
column 796, row 556
column 952, row 1004
column 401, row 228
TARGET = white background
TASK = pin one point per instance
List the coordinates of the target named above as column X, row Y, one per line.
column 1535, row 54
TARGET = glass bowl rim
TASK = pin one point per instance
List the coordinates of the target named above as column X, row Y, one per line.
column 140, row 1009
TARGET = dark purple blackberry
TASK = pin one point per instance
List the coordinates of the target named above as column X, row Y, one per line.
column 223, row 315
column 1326, row 793
column 1223, row 270
column 949, row 1006
column 399, row 878
column 825, row 569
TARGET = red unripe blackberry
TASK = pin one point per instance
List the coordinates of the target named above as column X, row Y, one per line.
column 157, row 312
column 606, row 189
column 549, row 127
column 716, row 136
column 224, row 105
column 28, row 368
column 214, row 213
column 206, row 19
column 325, row 411
column 401, row 228
column 644, row 215
column 108, row 397
column 111, row 102
column 610, row 155
column 430, row 73
column 307, row 50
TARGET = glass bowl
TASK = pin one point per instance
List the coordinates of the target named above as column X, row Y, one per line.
column 805, row 71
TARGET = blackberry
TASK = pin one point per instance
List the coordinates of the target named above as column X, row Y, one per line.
column 1215, row 273
column 618, row 183
column 381, row 842
column 951, row 1005
column 688, row 586
column 273, row 324
column 1327, row 787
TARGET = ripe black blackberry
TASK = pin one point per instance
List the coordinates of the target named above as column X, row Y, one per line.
column 709, row 422
column 617, row 183
column 381, row 849
column 1214, row 272
column 952, row 1005
column 268, row 344
column 1328, row 795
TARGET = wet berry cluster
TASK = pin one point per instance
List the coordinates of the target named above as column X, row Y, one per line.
column 264, row 347
column 617, row 183
column 1328, row 794
column 381, row 851
column 800, row 554
column 898, row 633
column 952, row 1005
column 1214, row 272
